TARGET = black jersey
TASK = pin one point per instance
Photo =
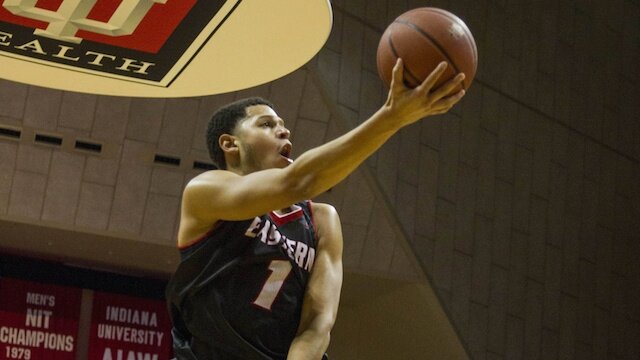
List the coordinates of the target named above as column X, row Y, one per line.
column 238, row 291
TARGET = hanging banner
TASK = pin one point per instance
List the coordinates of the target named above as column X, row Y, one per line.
column 38, row 321
column 125, row 327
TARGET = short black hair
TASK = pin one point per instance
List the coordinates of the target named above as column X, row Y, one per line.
column 224, row 121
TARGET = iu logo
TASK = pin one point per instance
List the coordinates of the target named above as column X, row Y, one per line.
column 145, row 41
column 71, row 16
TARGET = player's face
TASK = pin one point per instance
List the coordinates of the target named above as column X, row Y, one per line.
column 263, row 140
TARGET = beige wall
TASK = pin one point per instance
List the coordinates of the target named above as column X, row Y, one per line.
column 521, row 206
column 523, row 203
column 391, row 319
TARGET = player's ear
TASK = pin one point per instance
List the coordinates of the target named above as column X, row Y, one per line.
column 228, row 143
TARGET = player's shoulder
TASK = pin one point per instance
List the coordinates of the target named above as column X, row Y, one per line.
column 328, row 228
column 324, row 213
column 208, row 179
column 323, row 208
column 212, row 175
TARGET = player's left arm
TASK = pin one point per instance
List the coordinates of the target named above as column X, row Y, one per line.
column 320, row 306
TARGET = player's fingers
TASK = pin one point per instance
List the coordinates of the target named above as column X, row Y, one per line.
column 446, row 103
column 397, row 76
column 447, row 87
column 430, row 80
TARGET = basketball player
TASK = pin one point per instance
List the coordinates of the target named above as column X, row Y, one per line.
column 261, row 268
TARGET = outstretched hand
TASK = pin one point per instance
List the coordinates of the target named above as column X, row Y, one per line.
column 407, row 105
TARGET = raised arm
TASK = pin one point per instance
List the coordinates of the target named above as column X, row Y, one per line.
column 321, row 168
column 224, row 195
column 320, row 306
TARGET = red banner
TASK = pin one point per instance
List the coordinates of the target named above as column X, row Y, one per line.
column 38, row 321
column 125, row 327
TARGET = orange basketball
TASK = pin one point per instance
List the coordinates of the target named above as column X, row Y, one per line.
column 424, row 37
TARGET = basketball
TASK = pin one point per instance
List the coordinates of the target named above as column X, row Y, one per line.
column 423, row 37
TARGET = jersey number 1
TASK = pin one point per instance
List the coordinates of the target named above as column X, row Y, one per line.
column 280, row 269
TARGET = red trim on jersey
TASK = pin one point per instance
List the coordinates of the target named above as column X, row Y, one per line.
column 204, row 236
column 280, row 220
